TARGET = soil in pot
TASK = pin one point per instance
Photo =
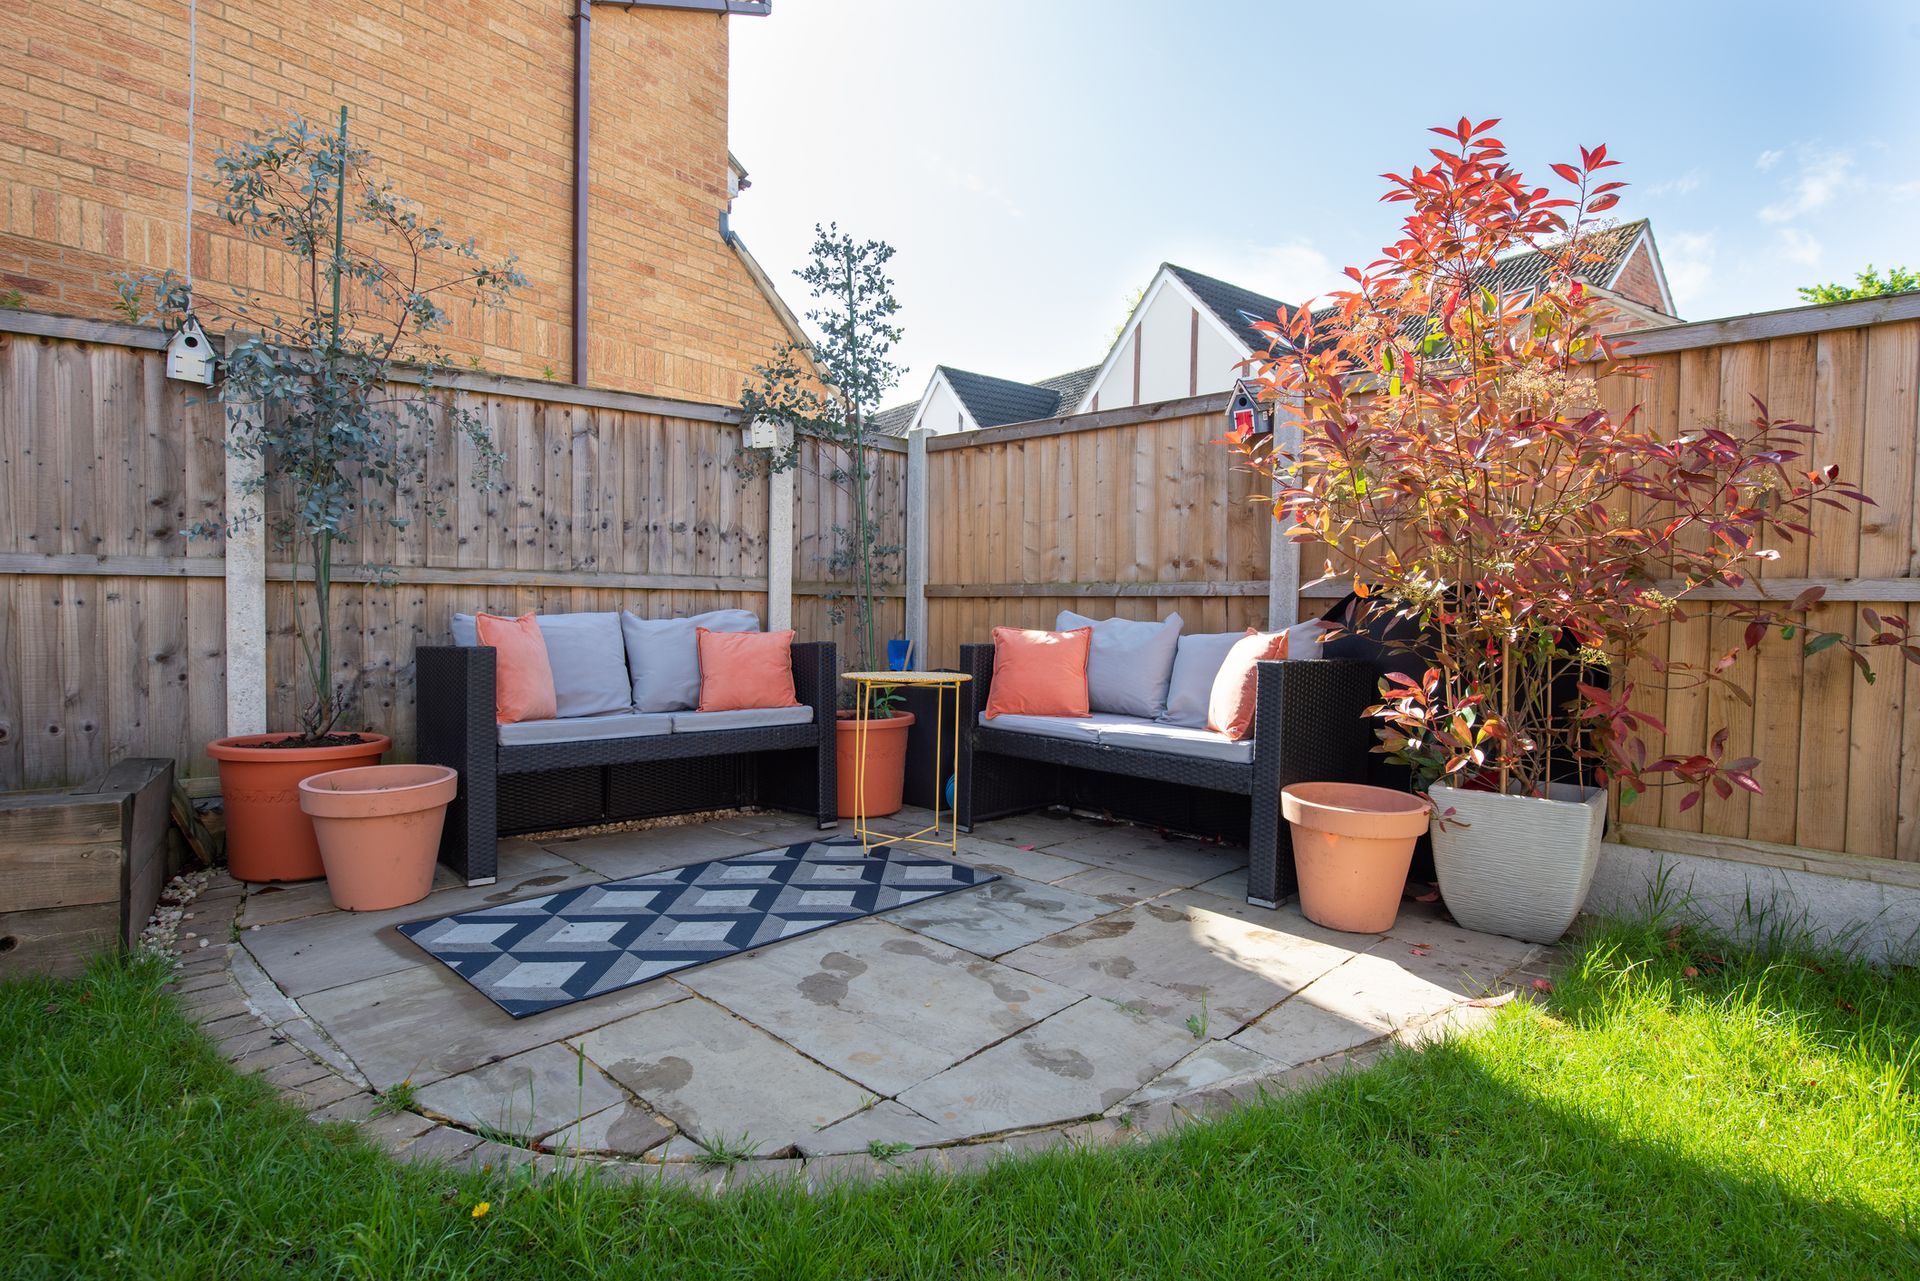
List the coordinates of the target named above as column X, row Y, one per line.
column 1352, row 846
column 268, row 837
column 379, row 831
column 881, row 785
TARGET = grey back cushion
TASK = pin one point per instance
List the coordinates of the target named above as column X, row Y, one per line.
column 589, row 660
column 1129, row 664
column 663, row 656
column 1195, row 665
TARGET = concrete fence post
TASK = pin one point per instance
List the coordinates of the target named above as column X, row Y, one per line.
column 246, row 579
column 1283, row 567
column 780, row 541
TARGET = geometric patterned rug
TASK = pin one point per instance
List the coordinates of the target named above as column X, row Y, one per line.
column 542, row 953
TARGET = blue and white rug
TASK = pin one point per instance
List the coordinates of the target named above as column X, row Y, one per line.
column 546, row 952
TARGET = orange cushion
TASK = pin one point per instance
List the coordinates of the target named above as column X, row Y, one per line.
column 1236, row 689
column 744, row 670
column 1039, row 673
column 522, row 676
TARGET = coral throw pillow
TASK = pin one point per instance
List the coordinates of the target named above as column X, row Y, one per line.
column 742, row 671
column 1039, row 673
column 522, row 676
column 1236, row 689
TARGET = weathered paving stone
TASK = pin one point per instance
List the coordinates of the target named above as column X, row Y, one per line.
column 318, row 1094
column 394, row 1130
column 1301, row 1031
column 1077, row 1063
column 1385, row 992
column 275, row 1055
column 1144, row 853
column 626, row 1129
column 825, row 1171
column 877, row 1003
column 354, row 1109
column 296, row 1073
column 616, row 855
column 316, row 953
column 244, row 1043
column 999, row 917
column 1214, row 1063
column 884, row 1122
column 491, row 1157
column 1164, row 958
column 718, row 1078
column 547, row 1088
column 1116, row 888
column 441, row 1143
column 427, row 1022
column 1011, row 860
column 263, row 996
column 198, row 983
column 314, row 1043
column 749, row 1174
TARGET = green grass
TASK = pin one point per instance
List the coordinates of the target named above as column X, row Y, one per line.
column 1757, row 1119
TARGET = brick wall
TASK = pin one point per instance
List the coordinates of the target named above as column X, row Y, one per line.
column 468, row 106
column 1637, row 281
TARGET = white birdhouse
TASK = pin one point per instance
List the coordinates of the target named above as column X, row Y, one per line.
column 190, row 355
column 762, row 434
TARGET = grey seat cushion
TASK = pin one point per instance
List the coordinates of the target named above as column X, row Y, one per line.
column 1129, row 663
column 663, row 656
column 1195, row 665
column 1084, row 729
column 748, row 718
column 579, row 729
column 588, row 658
column 1177, row 740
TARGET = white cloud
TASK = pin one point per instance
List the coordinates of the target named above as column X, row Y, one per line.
column 1292, row 272
column 1798, row 246
column 970, row 182
column 1822, row 175
column 1687, row 182
column 1767, row 159
column 1688, row 259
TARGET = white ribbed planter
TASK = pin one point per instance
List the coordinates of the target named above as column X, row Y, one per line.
column 1518, row 865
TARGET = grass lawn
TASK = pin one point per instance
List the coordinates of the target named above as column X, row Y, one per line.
column 1759, row 1117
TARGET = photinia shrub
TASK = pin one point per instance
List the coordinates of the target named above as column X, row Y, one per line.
column 1447, row 442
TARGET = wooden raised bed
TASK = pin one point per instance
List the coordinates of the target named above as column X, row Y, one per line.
column 81, row 869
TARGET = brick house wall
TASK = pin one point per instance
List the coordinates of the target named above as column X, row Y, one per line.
column 1637, row 281
column 468, row 106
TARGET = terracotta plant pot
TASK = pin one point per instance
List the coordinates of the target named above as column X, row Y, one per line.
column 1352, row 845
column 883, row 782
column 379, row 831
column 268, row 837
column 1518, row 865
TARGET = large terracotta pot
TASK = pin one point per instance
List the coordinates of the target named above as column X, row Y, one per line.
column 882, row 783
column 1518, row 865
column 1352, row 845
column 379, row 831
column 268, row 837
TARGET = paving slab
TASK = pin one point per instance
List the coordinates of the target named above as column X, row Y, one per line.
column 279, row 901
column 885, row 1122
column 720, row 1079
column 1384, row 993
column 1301, row 1031
column 1118, row 888
column 320, row 952
column 1146, row 853
column 626, row 1129
column 527, row 1096
column 1078, row 1063
column 1041, row 829
column 427, row 1022
column 877, row 1003
column 1163, row 958
column 1000, row 916
column 1013, row 860
column 617, row 855
column 1214, row 1063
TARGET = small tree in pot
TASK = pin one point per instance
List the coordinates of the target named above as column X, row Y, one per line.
column 829, row 390
column 309, row 396
column 1456, row 457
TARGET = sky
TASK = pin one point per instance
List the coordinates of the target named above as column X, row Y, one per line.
column 1033, row 163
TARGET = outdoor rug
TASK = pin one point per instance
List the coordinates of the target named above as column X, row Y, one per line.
column 546, row 952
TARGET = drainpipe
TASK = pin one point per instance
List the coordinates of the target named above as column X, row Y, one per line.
column 582, row 80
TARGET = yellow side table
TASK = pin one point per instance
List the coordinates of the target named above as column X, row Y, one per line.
column 865, row 685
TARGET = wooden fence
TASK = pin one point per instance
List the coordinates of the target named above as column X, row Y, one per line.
column 1139, row 513
column 113, row 620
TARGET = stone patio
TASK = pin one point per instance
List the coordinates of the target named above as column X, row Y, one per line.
column 1113, row 981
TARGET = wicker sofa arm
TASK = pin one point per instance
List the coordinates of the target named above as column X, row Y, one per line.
column 455, row 725
column 977, row 662
column 816, row 679
column 1311, row 722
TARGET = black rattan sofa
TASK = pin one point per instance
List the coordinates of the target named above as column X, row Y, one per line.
column 532, row 787
column 1310, row 726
